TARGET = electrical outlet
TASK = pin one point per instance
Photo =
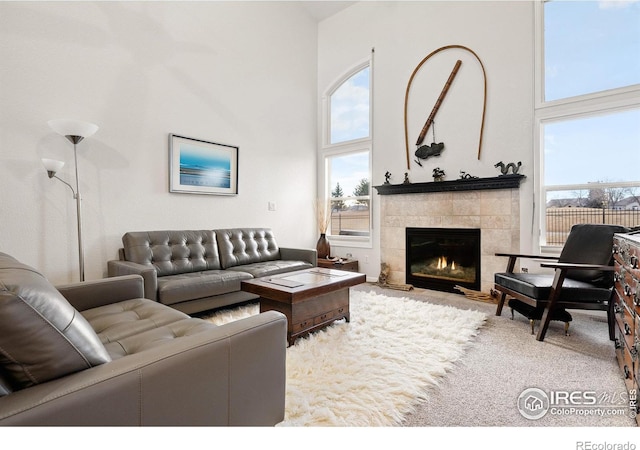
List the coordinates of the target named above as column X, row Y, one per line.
column 366, row 259
column 272, row 206
column 525, row 270
column 349, row 255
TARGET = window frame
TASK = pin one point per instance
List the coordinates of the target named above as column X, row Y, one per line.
column 569, row 108
column 360, row 145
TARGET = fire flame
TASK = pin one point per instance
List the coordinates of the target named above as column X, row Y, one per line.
column 442, row 263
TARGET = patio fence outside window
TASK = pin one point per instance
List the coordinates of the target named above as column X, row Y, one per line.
column 350, row 222
column 611, row 203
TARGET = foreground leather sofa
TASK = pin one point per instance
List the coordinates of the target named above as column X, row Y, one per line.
column 97, row 353
column 197, row 270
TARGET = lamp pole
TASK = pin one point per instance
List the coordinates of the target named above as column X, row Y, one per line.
column 75, row 140
column 74, row 131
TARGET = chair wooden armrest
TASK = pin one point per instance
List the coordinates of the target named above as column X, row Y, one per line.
column 576, row 266
column 518, row 255
column 513, row 256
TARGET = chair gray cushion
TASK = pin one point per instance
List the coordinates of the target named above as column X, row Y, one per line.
column 538, row 286
column 42, row 336
column 590, row 244
column 129, row 317
column 157, row 337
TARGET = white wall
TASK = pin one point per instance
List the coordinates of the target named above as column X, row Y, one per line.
column 238, row 73
column 403, row 33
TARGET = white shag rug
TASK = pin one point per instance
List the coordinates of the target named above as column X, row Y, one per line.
column 375, row 369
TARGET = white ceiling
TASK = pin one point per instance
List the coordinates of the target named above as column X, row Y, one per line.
column 320, row 10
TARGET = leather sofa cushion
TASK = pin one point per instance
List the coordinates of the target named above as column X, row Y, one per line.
column 191, row 286
column 539, row 286
column 157, row 336
column 43, row 337
column 129, row 317
column 173, row 252
column 239, row 246
column 263, row 269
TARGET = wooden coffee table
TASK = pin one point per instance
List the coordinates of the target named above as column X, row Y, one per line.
column 311, row 298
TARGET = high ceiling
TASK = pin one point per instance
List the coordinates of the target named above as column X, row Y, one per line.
column 322, row 9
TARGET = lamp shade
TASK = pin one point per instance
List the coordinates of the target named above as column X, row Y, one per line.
column 67, row 127
column 52, row 165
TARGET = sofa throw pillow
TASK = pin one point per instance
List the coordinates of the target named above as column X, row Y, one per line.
column 42, row 336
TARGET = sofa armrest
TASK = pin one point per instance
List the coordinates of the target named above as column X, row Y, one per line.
column 300, row 254
column 229, row 375
column 91, row 294
column 117, row 268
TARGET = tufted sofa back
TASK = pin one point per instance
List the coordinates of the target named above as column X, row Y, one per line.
column 246, row 245
column 173, row 252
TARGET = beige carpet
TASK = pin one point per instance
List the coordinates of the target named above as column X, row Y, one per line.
column 506, row 359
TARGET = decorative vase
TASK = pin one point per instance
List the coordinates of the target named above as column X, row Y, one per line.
column 323, row 247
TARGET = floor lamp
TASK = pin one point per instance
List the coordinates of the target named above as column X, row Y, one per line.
column 75, row 131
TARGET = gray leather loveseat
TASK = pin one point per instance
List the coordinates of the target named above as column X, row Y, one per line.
column 198, row 270
column 97, row 353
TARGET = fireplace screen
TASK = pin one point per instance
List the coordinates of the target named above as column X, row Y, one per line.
column 441, row 258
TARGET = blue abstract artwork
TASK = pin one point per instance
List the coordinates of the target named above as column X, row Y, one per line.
column 205, row 166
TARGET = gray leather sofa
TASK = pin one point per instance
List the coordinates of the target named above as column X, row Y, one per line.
column 198, row 270
column 96, row 353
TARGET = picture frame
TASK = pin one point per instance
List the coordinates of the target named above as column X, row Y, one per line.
column 202, row 167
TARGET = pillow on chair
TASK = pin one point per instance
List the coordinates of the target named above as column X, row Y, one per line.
column 42, row 336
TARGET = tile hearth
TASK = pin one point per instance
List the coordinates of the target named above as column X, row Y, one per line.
column 496, row 212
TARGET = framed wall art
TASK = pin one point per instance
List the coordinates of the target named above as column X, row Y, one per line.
column 202, row 167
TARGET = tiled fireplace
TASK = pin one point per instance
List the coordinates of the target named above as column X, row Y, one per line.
column 492, row 209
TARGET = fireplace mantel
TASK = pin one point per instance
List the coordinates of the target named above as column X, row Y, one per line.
column 466, row 184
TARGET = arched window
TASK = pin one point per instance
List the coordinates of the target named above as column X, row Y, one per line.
column 346, row 157
column 350, row 107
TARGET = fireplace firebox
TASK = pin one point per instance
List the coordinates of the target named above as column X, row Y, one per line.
column 442, row 258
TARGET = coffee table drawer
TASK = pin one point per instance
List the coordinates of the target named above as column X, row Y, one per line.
column 331, row 315
column 302, row 326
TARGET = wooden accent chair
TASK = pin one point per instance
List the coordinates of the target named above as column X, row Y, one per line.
column 582, row 279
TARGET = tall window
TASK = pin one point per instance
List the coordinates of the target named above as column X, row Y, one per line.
column 347, row 157
column 588, row 115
